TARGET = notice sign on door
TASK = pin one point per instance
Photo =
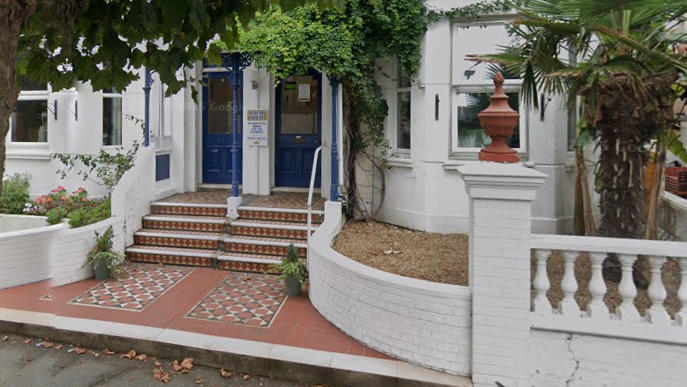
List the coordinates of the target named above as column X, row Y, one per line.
column 256, row 127
column 304, row 92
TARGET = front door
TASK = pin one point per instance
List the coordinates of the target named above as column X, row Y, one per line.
column 218, row 129
column 298, row 130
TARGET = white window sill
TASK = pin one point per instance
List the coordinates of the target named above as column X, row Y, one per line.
column 28, row 151
column 400, row 161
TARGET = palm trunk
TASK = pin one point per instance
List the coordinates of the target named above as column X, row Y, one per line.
column 13, row 14
column 585, row 221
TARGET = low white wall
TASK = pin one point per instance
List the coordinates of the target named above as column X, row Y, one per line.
column 10, row 223
column 25, row 255
column 566, row 359
column 418, row 321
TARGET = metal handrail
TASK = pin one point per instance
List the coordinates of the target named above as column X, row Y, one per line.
column 310, row 190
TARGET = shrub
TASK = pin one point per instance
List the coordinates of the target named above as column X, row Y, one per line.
column 15, row 194
column 90, row 214
column 103, row 253
column 291, row 266
column 81, row 211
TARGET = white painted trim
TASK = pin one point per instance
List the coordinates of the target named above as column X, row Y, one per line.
column 286, row 210
column 293, row 190
column 169, row 252
column 200, row 205
column 185, row 220
column 401, row 162
column 273, row 226
column 234, row 258
column 178, row 236
column 610, row 245
column 263, row 242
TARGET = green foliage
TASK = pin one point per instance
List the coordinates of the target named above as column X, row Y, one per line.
column 95, row 211
column 15, row 194
column 102, row 253
column 81, row 211
column 291, row 266
column 472, row 11
column 109, row 168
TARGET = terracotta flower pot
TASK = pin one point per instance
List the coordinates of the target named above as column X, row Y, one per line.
column 499, row 121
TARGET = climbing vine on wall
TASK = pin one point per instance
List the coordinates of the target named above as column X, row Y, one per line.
column 347, row 44
column 472, row 11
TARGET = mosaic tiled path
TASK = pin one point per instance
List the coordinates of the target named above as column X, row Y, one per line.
column 296, row 324
column 192, row 229
column 240, row 299
column 138, row 286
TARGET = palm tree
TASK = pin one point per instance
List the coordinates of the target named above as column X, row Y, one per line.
column 616, row 58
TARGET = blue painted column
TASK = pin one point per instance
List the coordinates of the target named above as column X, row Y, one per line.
column 235, row 62
column 148, row 82
column 334, row 192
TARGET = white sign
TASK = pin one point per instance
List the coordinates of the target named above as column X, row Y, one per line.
column 304, row 92
column 256, row 127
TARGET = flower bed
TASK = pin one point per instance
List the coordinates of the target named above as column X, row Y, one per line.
column 77, row 207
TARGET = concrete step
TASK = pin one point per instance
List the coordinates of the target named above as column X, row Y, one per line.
column 279, row 214
column 178, row 238
column 273, row 229
column 171, row 255
column 257, row 263
column 185, row 222
column 197, row 209
column 262, row 245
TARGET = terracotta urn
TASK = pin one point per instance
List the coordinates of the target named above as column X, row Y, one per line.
column 498, row 121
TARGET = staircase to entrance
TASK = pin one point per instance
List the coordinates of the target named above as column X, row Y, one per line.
column 192, row 229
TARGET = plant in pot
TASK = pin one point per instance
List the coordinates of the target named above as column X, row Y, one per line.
column 293, row 272
column 102, row 258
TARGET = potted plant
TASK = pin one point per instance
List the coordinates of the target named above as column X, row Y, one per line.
column 102, row 258
column 293, row 272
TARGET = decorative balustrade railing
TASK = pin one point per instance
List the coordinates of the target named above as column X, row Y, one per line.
column 665, row 262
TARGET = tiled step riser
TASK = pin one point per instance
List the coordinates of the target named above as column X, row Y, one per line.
column 175, row 242
column 247, row 267
column 186, row 226
column 189, row 210
column 236, row 247
column 279, row 216
column 299, row 235
column 169, row 259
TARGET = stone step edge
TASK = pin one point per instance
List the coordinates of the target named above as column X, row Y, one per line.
column 179, row 236
column 199, row 219
column 264, row 242
column 169, row 252
column 248, row 223
column 238, row 258
column 276, row 209
column 251, row 357
column 180, row 204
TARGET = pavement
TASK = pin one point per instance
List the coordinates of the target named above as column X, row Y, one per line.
column 27, row 365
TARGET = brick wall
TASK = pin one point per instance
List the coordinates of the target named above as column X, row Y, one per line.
column 418, row 321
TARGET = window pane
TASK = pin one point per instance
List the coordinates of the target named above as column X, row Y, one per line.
column 403, row 120
column 30, row 122
column 112, row 121
column 220, row 105
column 478, row 39
column 470, row 132
column 299, row 105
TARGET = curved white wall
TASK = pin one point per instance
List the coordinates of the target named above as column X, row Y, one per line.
column 418, row 321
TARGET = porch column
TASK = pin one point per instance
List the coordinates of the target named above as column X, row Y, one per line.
column 148, row 82
column 235, row 62
column 334, row 192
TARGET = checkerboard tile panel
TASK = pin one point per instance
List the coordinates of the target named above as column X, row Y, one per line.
column 295, row 201
column 169, row 259
column 201, row 197
column 269, row 232
column 247, row 267
column 176, row 242
column 189, row 210
column 47, row 297
column 280, row 216
column 139, row 286
column 174, row 225
column 239, row 247
column 249, row 299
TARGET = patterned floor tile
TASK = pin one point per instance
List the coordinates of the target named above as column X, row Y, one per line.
column 250, row 299
column 138, row 287
column 47, row 297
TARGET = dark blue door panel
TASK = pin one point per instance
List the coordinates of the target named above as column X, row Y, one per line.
column 218, row 129
column 298, row 128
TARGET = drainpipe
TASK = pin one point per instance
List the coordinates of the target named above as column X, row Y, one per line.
column 334, row 192
column 146, row 90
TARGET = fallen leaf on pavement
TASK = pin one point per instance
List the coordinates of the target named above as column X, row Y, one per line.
column 142, row 357
column 161, row 375
column 246, row 377
column 199, row 380
column 58, row 346
column 224, row 373
column 47, row 344
column 130, row 355
column 186, row 365
column 27, row 341
column 176, row 366
column 108, row 352
column 246, row 279
column 4, row 338
column 80, row 350
column 158, row 364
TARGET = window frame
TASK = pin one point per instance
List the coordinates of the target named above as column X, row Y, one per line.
column 112, row 95
column 398, row 89
column 31, row 95
column 510, row 86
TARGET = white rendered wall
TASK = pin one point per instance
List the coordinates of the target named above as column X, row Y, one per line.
column 9, row 223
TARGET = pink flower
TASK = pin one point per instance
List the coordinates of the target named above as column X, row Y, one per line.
column 49, row 199
column 63, row 197
column 83, row 199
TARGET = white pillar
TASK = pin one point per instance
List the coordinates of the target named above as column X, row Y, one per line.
column 501, row 198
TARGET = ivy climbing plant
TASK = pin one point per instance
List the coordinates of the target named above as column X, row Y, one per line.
column 347, row 44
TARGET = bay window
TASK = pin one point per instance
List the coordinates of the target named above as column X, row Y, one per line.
column 112, row 118
column 29, row 121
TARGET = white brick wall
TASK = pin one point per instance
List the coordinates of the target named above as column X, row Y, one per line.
column 418, row 321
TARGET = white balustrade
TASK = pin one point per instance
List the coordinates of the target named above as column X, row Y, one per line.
column 542, row 305
column 597, row 287
column 568, row 305
column 627, row 289
column 682, row 293
column 657, row 314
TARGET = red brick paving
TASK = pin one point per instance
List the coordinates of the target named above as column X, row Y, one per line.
column 297, row 324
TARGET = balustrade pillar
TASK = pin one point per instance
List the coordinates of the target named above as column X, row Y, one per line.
column 542, row 306
column 568, row 305
column 657, row 314
column 597, row 287
column 627, row 309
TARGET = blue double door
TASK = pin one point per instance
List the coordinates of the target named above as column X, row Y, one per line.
column 298, row 125
column 218, row 129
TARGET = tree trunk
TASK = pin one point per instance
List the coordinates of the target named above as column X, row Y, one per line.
column 13, row 14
